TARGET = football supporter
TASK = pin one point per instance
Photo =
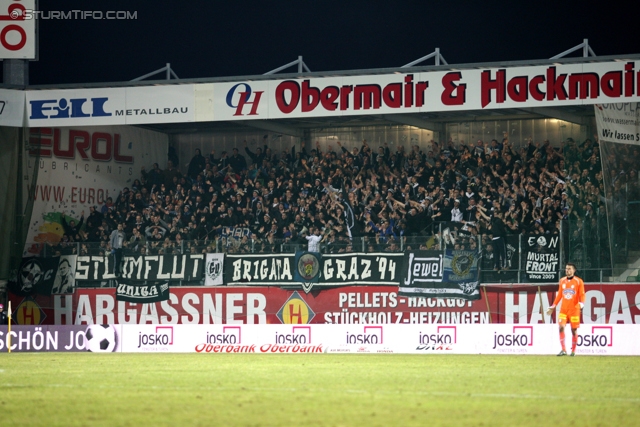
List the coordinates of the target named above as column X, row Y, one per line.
column 571, row 294
column 365, row 197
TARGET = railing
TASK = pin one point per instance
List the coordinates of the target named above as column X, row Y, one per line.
column 583, row 242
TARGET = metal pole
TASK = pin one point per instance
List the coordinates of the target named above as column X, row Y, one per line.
column 168, row 71
column 299, row 64
column 585, row 48
column 519, row 258
column 437, row 56
column 541, row 309
column 9, row 329
column 486, row 300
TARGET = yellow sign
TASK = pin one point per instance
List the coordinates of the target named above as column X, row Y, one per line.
column 28, row 312
column 296, row 311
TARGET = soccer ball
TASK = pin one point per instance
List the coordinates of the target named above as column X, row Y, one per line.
column 101, row 338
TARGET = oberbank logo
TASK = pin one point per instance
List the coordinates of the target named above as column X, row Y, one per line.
column 68, row 109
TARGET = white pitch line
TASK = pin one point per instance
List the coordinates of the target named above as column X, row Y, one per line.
column 514, row 396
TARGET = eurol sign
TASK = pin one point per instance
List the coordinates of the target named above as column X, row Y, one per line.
column 474, row 89
column 17, row 33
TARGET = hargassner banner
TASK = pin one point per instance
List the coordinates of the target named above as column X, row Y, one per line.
column 619, row 122
column 475, row 89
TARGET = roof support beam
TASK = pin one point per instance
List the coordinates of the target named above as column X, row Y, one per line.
column 411, row 120
column 272, row 126
column 555, row 113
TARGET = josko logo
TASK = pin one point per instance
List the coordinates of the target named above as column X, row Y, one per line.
column 600, row 336
column 298, row 335
column 65, row 109
column 370, row 335
column 229, row 335
column 443, row 339
column 240, row 96
column 162, row 337
column 522, row 336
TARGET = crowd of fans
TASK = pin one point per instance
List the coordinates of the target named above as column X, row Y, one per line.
column 262, row 201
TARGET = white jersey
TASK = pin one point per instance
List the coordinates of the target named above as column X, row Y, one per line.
column 314, row 243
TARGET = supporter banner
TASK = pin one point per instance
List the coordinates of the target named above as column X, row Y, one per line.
column 432, row 274
column 143, row 293
column 381, row 268
column 541, row 257
column 307, row 269
column 36, row 276
column 466, row 89
column 65, row 282
column 144, row 267
column 213, row 269
column 263, row 269
column 95, row 338
column 335, row 270
column 618, row 122
column 80, row 168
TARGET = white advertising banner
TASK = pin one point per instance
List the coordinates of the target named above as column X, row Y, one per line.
column 111, row 106
column 80, row 167
column 417, row 339
column 619, row 122
column 17, row 29
column 11, row 107
column 554, row 85
column 471, row 89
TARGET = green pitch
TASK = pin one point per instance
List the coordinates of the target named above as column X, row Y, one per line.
column 316, row 390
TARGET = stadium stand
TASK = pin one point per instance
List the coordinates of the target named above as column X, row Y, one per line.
column 363, row 198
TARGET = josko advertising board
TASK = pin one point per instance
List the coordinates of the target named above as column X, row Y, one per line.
column 355, row 338
column 604, row 304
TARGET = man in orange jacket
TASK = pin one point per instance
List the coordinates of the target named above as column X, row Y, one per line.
column 571, row 293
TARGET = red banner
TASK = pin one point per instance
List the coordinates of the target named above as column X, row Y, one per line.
column 611, row 303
